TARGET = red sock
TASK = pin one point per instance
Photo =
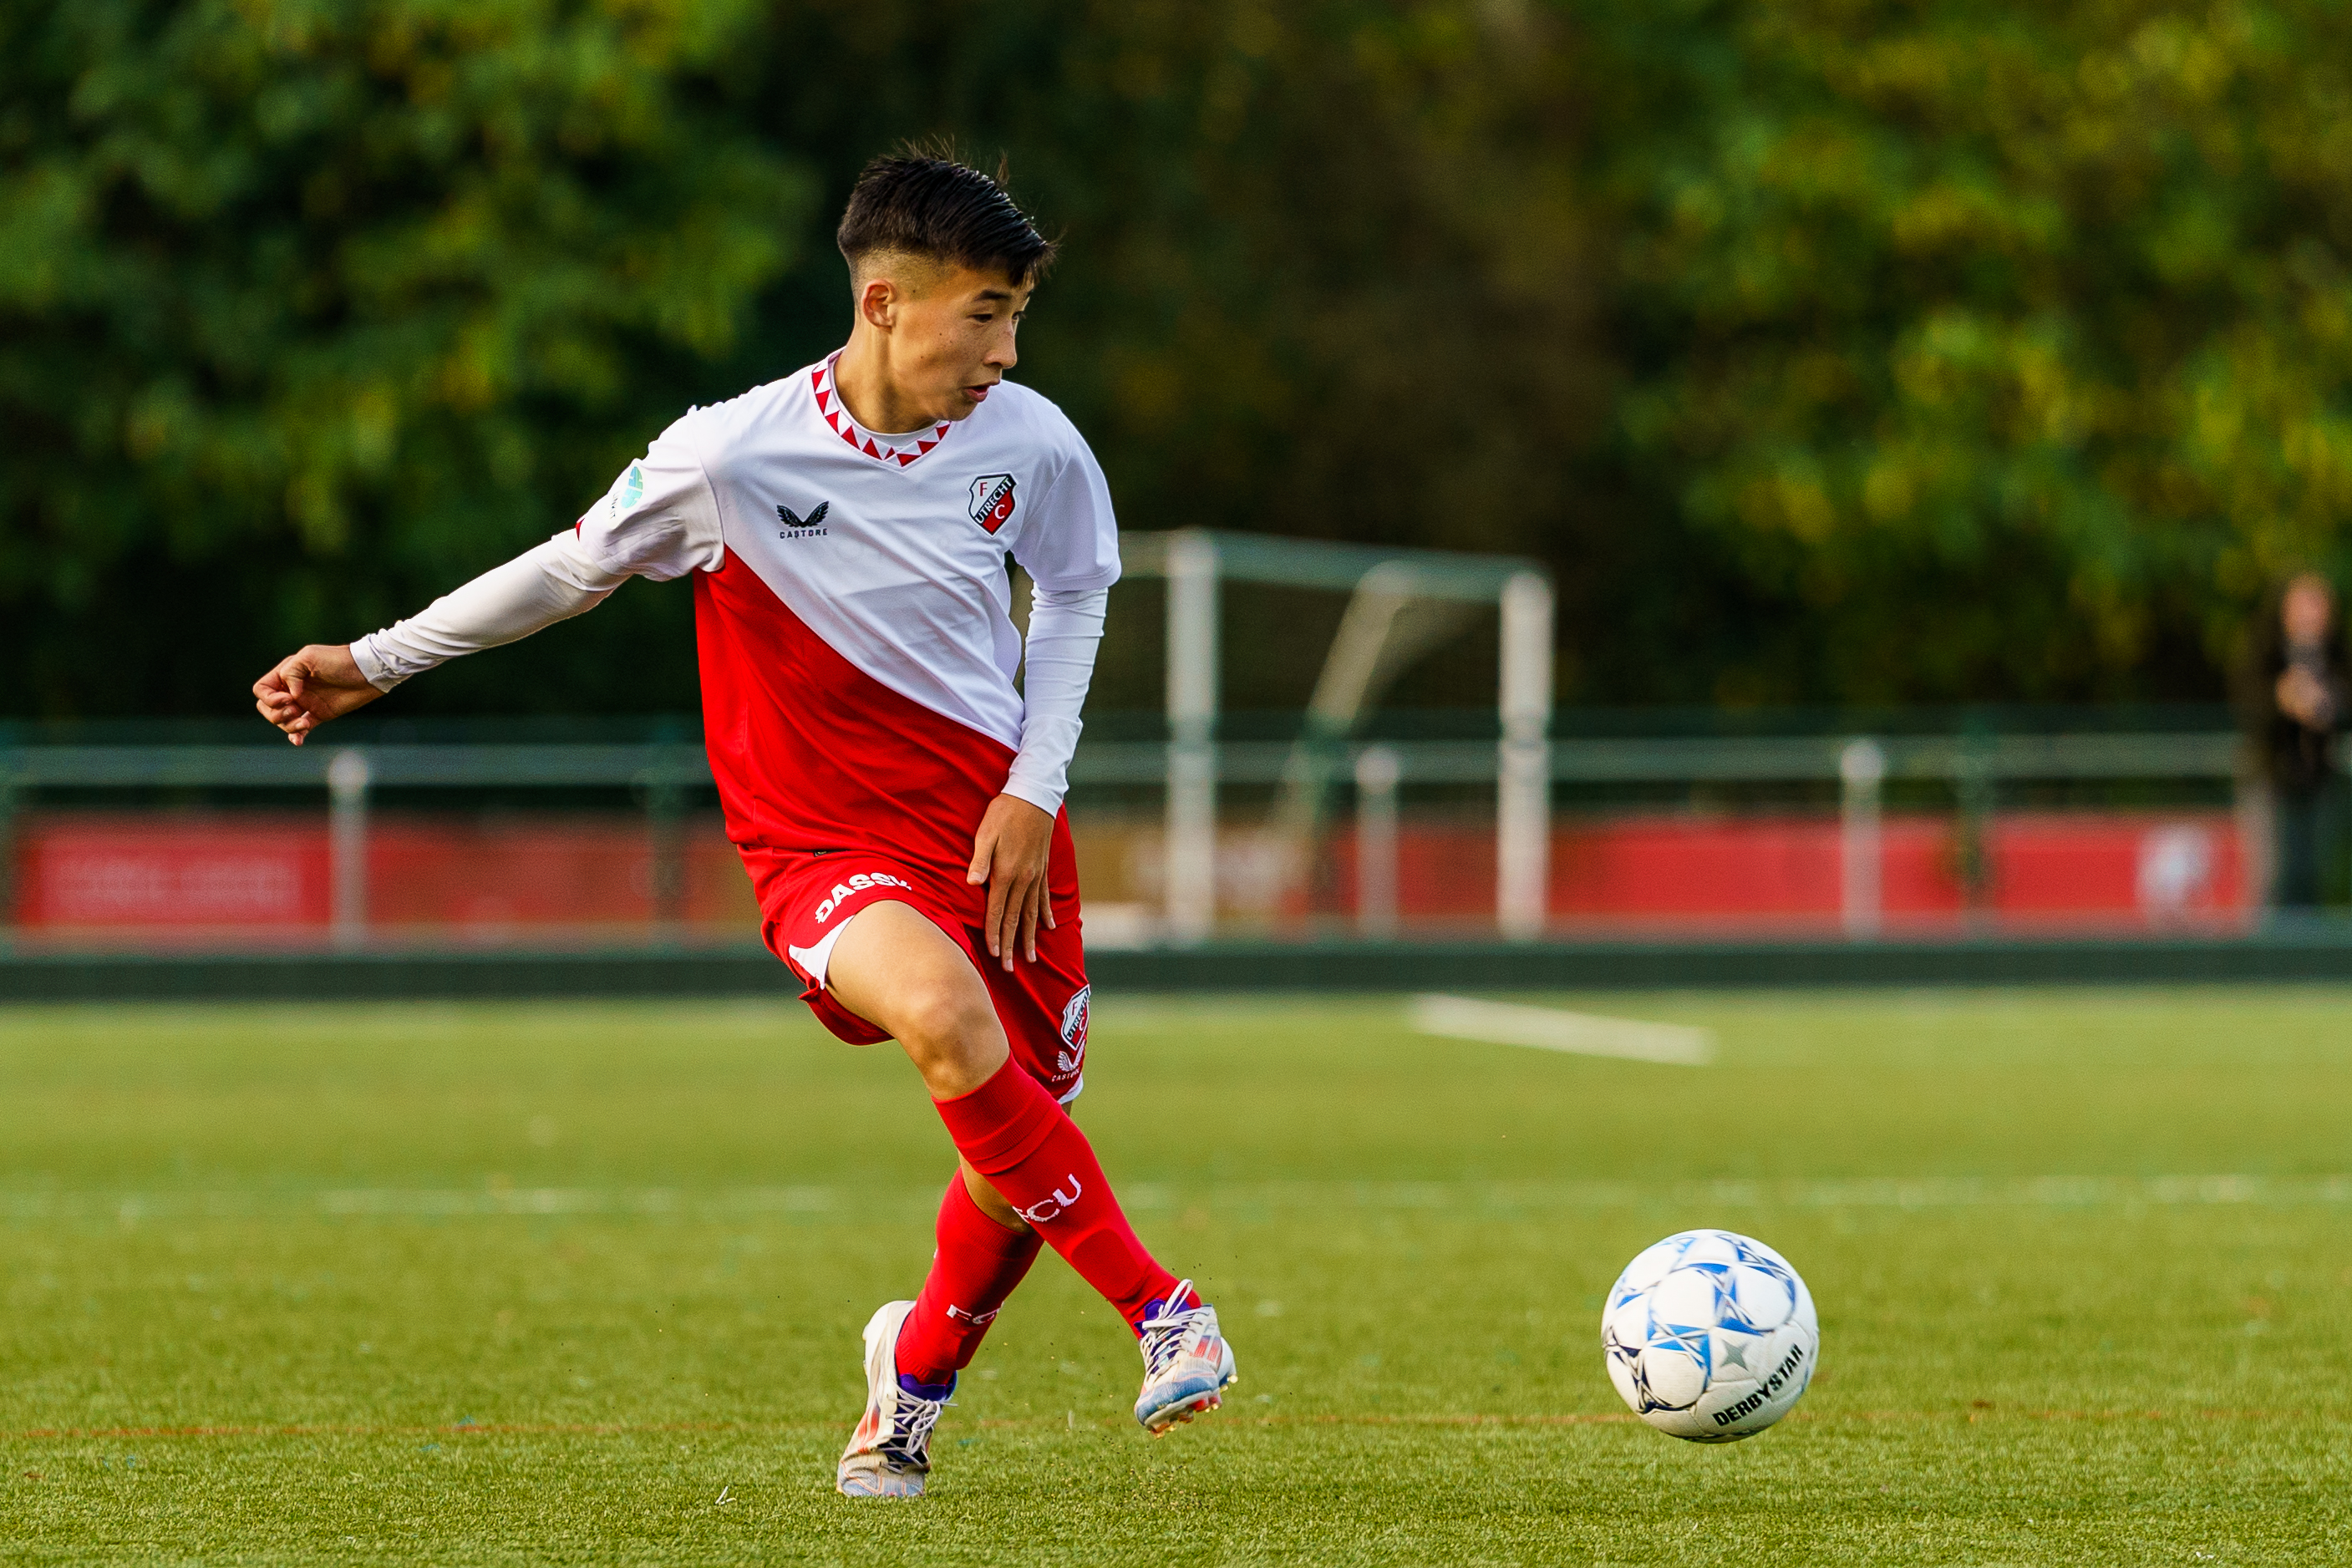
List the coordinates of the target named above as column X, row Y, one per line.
column 1029, row 1149
column 978, row 1264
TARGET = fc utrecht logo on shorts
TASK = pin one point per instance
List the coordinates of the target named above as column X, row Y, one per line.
column 1073, row 1053
column 991, row 500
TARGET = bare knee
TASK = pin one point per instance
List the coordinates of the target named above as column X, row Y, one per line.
column 898, row 971
column 944, row 1017
column 950, row 1031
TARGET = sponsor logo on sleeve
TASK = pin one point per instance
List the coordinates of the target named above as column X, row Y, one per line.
column 626, row 492
column 799, row 527
column 991, row 500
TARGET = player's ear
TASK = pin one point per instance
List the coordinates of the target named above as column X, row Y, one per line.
column 878, row 303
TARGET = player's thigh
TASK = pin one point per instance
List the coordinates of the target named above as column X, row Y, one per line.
column 1043, row 1004
column 899, row 972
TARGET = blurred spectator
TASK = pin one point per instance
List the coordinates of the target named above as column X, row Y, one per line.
column 2304, row 701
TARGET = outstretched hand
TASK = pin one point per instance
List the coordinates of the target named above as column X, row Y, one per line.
column 310, row 687
column 1010, row 853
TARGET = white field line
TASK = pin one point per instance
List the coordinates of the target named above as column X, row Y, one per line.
column 1239, row 1200
column 428, row 1203
column 1550, row 1028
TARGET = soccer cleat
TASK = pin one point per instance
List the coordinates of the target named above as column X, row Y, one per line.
column 889, row 1455
column 1187, row 1364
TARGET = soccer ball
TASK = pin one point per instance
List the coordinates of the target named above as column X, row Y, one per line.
column 1710, row 1336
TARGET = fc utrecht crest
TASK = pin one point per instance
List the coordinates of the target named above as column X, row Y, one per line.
column 1073, row 1053
column 991, row 500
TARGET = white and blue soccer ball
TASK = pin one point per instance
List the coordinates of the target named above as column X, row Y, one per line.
column 1710, row 1336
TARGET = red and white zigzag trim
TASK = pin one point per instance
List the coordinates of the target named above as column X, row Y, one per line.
column 828, row 404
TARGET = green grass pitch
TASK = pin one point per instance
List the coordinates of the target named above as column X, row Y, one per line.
column 582, row 1284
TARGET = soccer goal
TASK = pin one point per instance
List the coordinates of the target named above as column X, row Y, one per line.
column 1402, row 603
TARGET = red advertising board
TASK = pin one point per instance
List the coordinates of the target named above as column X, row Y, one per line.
column 2101, row 868
column 230, row 874
column 482, row 878
column 117, row 871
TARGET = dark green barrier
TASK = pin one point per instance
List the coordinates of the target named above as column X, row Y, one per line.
column 2317, row 952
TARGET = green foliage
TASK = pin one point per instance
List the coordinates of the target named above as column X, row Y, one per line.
column 308, row 307
column 1842, row 350
column 1998, row 343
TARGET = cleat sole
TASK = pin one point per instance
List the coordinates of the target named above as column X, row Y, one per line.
column 1183, row 1411
column 875, row 1480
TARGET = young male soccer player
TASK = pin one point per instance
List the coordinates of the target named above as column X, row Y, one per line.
column 896, row 800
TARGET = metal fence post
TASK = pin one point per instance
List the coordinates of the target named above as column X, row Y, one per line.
column 347, row 844
column 1191, row 844
column 665, row 786
column 1523, row 790
column 1862, row 772
column 1976, row 793
column 8, row 848
column 1378, row 768
column 2252, row 802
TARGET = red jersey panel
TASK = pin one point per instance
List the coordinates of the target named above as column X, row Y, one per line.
column 812, row 753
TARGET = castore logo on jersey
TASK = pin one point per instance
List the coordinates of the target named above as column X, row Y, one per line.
column 799, row 527
column 991, row 500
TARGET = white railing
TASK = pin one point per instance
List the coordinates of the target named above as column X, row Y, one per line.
column 351, row 776
column 1859, row 768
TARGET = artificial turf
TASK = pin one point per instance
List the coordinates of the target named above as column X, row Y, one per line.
column 582, row 1283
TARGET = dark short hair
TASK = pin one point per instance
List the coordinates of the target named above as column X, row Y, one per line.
column 944, row 210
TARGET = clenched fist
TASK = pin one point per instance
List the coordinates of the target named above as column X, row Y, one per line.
column 310, row 687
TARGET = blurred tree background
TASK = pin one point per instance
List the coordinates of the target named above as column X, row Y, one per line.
column 1835, row 350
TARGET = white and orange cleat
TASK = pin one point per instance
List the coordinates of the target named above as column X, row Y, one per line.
column 1187, row 1364
column 889, row 1455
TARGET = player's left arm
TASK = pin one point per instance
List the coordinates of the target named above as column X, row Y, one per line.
column 1014, row 845
column 1069, row 545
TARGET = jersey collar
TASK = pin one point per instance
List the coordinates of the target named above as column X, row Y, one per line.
column 829, row 408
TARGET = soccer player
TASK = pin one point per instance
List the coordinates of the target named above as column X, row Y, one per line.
column 897, row 801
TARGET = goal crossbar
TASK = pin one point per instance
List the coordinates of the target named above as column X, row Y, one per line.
column 1375, row 643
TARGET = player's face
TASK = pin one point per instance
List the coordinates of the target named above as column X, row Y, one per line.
column 954, row 340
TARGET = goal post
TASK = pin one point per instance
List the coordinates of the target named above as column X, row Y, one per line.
column 1401, row 601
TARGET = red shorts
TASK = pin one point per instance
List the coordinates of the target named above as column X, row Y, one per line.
column 806, row 898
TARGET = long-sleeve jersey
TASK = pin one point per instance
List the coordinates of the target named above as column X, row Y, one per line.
column 853, row 608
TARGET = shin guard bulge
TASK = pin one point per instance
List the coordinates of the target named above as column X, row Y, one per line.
column 978, row 1264
column 1016, row 1135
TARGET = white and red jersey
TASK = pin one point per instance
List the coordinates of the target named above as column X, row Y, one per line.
column 852, row 604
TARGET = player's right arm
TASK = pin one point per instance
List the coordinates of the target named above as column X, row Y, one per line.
column 311, row 685
column 551, row 582
column 659, row 520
